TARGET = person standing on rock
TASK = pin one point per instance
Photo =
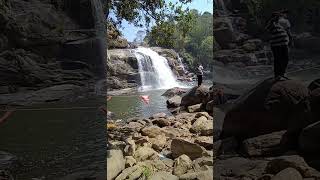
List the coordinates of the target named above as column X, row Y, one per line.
column 199, row 74
column 279, row 28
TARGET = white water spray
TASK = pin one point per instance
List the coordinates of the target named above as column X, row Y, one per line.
column 155, row 72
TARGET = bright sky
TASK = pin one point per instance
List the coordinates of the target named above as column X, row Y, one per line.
column 129, row 30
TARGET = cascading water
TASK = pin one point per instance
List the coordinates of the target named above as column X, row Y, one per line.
column 155, row 72
column 182, row 65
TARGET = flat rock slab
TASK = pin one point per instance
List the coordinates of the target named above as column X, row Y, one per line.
column 264, row 145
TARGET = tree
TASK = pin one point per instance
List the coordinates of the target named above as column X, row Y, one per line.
column 138, row 11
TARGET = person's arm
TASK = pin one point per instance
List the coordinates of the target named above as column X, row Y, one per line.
column 290, row 37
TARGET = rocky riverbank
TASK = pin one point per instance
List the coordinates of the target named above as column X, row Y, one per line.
column 267, row 133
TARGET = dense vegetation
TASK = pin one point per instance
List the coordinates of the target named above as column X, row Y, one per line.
column 139, row 11
column 304, row 14
column 191, row 34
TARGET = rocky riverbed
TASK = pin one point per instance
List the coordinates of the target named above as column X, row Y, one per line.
column 266, row 133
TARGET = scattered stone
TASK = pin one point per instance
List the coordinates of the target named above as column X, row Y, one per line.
column 130, row 149
column 130, row 161
column 199, row 114
column 181, row 165
column 151, row 131
column 194, row 108
column 180, row 147
column 288, row 173
column 142, row 140
column 162, row 175
column 116, row 163
column 135, row 126
column 162, row 122
column 203, row 175
column 172, row 132
column 264, row 145
column 168, row 162
column 145, row 153
column 130, row 173
column 159, row 142
column 202, row 126
column 159, row 115
column 205, row 141
column 143, row 123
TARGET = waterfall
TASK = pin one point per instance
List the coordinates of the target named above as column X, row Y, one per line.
column 182, row 65
column 155, row 72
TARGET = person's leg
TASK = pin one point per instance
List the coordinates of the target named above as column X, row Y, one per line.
column 276, row 61
column 200, row 80
column 284, row 59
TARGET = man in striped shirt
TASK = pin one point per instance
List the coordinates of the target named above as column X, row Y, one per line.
column 279, row 28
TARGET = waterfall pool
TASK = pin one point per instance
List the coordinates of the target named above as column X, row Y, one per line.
column 53, row 144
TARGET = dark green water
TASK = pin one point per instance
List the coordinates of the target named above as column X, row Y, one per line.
column 132, row 106
column 55, row 143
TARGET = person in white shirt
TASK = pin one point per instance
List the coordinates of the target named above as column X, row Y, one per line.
column 199, row 74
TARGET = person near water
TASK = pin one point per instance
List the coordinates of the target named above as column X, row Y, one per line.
column 279, row 28
column 199, row 74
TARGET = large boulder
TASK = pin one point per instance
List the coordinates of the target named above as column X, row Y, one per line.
column 181, row 165
column 174, row 92
column 174, row 102
column 268, row 107
column 180, row 147
column 314, row 88
column 196, row 95
column 238, row 166
column 309, row 140
column 288, row 173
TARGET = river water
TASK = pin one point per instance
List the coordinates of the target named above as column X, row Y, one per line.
column 55, row 143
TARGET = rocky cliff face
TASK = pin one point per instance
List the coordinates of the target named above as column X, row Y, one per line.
column 123, row 67
column 37, row 41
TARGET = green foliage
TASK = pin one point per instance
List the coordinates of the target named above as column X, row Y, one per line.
column 207, row 49
column 189, row 32
column 147, row 172
column 138, row 11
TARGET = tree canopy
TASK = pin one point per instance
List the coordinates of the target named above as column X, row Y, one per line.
column 139, row 11
column 191, row 35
